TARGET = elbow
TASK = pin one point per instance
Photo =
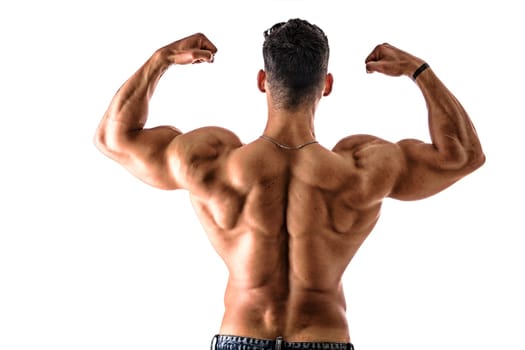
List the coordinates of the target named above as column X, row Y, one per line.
column 477, row 159
column 462, row 157
column 471, row 160
column 100, row 140
column 475, row 155
column 107, row 144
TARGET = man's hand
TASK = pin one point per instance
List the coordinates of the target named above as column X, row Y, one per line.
column 392, row 61
column 196, row 48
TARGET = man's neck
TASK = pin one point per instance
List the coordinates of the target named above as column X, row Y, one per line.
column 291, row 127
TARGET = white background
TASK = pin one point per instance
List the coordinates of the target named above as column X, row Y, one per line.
column 91, row 258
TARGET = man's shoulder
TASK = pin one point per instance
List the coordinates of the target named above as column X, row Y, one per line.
column 354, row 142
column 197, row 154
column 213, row 135
column 208, row 142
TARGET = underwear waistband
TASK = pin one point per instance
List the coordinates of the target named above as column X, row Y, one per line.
column 231, row 342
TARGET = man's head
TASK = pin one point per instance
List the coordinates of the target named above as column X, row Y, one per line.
column 295, row 62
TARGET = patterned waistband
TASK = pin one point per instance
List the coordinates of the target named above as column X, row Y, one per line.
column 230, row 342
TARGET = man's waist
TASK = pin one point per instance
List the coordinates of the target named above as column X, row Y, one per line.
column 233, row 342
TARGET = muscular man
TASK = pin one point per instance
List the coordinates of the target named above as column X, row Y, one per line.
column 285, row 213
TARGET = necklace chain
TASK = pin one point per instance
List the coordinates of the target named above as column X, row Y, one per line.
column 283, row 146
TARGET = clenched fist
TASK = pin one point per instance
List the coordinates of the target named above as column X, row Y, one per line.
column 392, row 61
column 196, row 48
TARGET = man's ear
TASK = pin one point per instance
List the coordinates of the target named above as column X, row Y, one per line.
column 261, row 80
column 329, row 81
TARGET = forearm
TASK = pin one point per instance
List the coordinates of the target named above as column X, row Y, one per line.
column 451, row 130
column 128, row 110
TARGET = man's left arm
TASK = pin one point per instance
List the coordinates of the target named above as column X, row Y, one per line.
column 121, row 134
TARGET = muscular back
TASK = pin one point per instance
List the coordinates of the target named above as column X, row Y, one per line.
column 287, row 223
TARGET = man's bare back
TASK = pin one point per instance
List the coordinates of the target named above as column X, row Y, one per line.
column 288, row 220
column 287, row 223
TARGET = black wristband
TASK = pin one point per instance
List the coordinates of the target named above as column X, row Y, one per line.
column 419, row 70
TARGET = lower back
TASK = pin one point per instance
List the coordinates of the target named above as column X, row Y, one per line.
column 299, row 315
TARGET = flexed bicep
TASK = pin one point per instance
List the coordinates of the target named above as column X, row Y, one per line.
column 144, row 153
column 455, row 149
column 423, row 171
column 121, row 134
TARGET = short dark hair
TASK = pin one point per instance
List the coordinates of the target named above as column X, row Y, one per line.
column 296, row 61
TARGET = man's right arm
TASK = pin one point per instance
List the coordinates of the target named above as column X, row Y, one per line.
column 455, row 150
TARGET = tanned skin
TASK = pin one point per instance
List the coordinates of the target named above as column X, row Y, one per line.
column 287, row 222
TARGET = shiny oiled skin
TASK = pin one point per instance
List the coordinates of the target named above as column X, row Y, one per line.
column 287, row 223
